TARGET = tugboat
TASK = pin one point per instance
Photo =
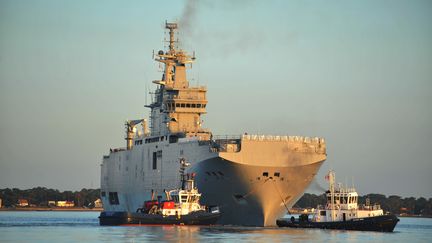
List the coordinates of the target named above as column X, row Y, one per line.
column 181, row 207
column 343, row 212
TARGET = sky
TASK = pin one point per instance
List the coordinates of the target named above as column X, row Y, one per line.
column 358, row 73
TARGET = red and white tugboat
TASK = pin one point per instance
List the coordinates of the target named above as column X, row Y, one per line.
column 343, row 212
column 181, row 207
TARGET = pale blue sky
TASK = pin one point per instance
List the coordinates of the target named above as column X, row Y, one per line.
column 358, row 73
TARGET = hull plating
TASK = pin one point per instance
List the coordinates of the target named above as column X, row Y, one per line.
column 252, row 195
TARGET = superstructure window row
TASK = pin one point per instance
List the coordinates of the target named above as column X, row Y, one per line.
column 185, row 105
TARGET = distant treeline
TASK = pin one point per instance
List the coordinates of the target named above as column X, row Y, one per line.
column 393, row 204
column 39, row 196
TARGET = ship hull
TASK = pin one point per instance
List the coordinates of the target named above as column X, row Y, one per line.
column 254, row 183
column 252, row 195
column 384, row 223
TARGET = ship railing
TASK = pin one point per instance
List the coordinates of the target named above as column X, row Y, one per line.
column 256, row 137
column 370, row 207
column 320, row 207
column 226, row 143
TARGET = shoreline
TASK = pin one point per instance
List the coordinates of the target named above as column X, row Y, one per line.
column 72, row 209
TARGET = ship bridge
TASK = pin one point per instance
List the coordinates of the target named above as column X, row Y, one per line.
column 177, row 107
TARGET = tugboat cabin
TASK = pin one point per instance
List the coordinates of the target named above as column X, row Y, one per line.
column 342, row 205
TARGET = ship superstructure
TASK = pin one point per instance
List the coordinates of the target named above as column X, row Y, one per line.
column 252, row 178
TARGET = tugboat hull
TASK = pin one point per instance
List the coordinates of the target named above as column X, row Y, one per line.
column 125, row 218
column 384, row 223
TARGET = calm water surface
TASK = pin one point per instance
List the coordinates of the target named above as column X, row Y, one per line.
column 84, row 227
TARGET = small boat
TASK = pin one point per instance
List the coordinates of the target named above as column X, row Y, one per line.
column 343, row 212
column 181, row 207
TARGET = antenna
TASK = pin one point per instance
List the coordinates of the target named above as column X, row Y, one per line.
column 145, row 94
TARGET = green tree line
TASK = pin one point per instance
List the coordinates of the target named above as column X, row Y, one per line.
column 39, row 196
column 394, row 204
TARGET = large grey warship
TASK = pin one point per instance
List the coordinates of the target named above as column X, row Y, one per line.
column 253, row 179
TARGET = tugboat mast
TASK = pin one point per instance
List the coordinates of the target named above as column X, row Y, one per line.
column 331, row 177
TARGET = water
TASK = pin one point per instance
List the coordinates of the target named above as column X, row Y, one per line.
column 83, row 227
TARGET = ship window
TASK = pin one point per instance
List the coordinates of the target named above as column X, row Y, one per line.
column 214, row 173
column 182, row 105
column 188, row 105
column 208, row 173
column 183, row 198
column 220, row 173
column 198, row 105
column 177, row 105
column 103, row 194
column 276, row 174
column 265, row 174
column 154, row 160
column 323, row 213
column 193, row 105
column 113, row 198
column 173, row 139
column 204, row 106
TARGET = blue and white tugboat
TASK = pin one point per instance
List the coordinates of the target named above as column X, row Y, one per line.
column 181, row 207
column 343, row 212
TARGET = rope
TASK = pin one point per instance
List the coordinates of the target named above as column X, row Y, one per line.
column 280, row 195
